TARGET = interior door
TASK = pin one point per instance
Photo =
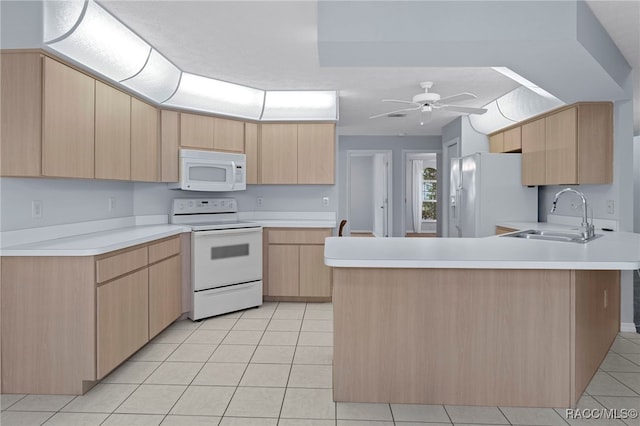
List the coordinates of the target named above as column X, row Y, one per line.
column 380, row 195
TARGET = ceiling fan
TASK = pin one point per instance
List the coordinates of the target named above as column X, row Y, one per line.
column 428, row 102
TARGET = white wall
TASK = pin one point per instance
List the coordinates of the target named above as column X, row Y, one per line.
column 20, row 24
column 63, row 201
column 636, row 184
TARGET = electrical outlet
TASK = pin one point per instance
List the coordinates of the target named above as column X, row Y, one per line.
column 112, row 203
column 610, row 207
column 36, row 209
column 325, row 201
column 260, row 201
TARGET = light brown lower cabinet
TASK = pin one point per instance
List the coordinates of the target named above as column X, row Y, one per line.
column 68, row 321
column 294, row 265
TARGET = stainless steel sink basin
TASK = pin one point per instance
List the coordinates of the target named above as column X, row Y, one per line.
column 532, row 234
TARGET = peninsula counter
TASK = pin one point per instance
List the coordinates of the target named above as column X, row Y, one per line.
column 491, row 321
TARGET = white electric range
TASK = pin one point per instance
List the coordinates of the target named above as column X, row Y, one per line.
column 226, row 256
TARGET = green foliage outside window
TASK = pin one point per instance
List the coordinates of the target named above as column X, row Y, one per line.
column 429, row 193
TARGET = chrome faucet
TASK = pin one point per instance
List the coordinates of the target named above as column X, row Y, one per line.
column 586, row 230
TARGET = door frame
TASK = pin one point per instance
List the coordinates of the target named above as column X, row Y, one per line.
column 370, row 153
column 446, row 174
column 406, row 154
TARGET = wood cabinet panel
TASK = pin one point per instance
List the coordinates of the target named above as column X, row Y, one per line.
column 48, row 324
column 595, row 135
column 110, row 267
column 561, row 154
column 228, row 135
column 315, row 276
column 20, row 114
column 533, row 153
column 283, row 270
column 68, row 122
column 122, row 319
column 164, row 249
column 504, row 230
column 316, row 153
column 251, row 151
column 513, row 140
column 113, row 133
column 144, row 141
column 196, row 131
column 169, row 145
column 298, row 236
column 496, row 142
column 165, row 301
column 278, row 154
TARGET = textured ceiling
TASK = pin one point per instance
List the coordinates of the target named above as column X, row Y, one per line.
column 273, row 46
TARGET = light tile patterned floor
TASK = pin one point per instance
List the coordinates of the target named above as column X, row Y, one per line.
column 272, row 366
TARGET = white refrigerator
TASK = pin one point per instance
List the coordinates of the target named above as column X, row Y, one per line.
column 485, row 189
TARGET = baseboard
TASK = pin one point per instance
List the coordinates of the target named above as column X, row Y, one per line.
column 628, row 327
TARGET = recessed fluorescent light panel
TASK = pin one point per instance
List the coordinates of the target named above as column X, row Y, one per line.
column 104, row 44
column 522, row 103
column 300, row 105
column 158, row 79
column 507, row 72
column 209, row 95
column 491, row 120
column 60, row 17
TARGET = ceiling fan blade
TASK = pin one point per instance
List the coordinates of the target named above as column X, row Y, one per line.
column 399, row 101
column 464, row 109
column 458, row 98
column 394, row 112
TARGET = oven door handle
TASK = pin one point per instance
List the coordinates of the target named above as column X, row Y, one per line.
column 227, row 231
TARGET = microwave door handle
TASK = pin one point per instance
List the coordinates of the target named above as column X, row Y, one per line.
column 233, row 174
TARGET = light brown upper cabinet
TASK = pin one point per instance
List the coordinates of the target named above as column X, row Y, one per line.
column 144, row 141
column 316, row 153
column 68, row 122
column 279, row 153
column 297, row 153
column 533, row 152
column 251, row 151
column 507, row 141
column 196, row 131
column 169, row 145
column 228, row 135
column 573, row 145
column 113, row 133
column 21, row 114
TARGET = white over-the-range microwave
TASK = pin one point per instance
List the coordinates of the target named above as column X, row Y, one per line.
column 211, row 171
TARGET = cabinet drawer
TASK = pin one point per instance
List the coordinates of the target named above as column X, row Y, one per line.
column 298, row 236
column 113, row 266
column 164, row 249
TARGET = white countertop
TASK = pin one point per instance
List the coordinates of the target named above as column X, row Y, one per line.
column 95, row 243
column 613, row 251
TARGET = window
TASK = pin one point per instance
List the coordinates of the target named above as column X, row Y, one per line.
column 429, row 194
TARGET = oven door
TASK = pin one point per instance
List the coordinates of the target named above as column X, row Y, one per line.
column 225, row 257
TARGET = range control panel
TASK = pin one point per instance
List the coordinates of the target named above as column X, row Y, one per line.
column 204, row 205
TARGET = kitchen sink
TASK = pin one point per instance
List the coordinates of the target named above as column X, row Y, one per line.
column 533, row 234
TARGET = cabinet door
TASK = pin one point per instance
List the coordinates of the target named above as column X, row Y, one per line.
column 21, row 114
column 283, row 270
column 228, row 135
column 512, row 140
column 315, row 276
column 68, row 122
column 533, row 153
column 165, row 290
column 316, row 153
column 122, row 319
column 595, row 143
column 561, row 148
column 251, row 151
column 144, row 141
column 278, row 153
column 196, row 131
column 113, row 133
column 496, row 142
column 169, row 141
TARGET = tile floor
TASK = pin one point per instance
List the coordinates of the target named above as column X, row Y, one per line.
column 272, row 366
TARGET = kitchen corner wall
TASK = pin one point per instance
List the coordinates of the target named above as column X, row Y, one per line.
column 63, row 201
column 396, row 144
